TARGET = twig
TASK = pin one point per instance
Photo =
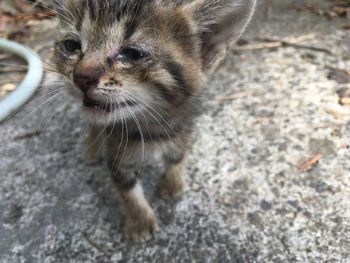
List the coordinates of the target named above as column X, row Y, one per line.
column 310, row 163
column 273, row 43
column 27, row 135
column 258, row 46
column 96, row 246
column 291, row 42
column 317, row 49
column 338, row 115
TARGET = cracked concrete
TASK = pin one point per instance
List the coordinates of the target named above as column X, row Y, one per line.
column 247, row 200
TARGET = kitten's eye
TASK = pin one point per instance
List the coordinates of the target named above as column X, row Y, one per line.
column 72, row 46
column 131, row 54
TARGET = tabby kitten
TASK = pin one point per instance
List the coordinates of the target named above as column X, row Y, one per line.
column 137, row 68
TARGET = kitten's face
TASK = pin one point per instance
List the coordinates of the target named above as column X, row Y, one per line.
column 130, row 58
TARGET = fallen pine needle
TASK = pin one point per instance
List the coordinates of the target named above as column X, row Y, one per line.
column 310, row 163
column 233, row 97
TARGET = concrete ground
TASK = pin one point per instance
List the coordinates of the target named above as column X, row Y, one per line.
column 247, row 201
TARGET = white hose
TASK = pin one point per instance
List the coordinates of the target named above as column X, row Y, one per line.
column 28, row 86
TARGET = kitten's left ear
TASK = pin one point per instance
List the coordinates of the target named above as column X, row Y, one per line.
column 219, row 23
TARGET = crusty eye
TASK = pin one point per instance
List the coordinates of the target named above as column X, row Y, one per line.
column 71, row 46
column 131, row 54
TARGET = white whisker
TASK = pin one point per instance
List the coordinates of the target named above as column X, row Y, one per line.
column 141, row 134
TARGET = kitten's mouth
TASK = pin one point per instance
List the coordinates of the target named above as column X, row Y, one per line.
column 97, row 105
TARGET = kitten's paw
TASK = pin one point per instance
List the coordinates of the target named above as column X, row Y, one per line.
column 142, row 228
column 171, row 186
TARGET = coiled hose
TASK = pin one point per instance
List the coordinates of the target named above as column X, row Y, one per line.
column 28, row 86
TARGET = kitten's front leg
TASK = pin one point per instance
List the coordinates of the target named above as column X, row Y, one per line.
column 140, row 220
column 172, row 183
column 94, row 144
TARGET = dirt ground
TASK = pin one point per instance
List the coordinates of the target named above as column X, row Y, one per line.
column 269, row 175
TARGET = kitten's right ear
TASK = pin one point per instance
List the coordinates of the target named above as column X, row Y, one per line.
column 219, row 23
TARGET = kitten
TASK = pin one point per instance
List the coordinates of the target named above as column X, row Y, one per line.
column 137, row 69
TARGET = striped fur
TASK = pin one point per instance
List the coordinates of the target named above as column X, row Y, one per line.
column 138, row 67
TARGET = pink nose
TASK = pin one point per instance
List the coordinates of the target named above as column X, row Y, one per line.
column 87, row 78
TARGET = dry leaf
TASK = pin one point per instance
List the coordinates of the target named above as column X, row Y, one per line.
column 8, row 87
column 345, row 101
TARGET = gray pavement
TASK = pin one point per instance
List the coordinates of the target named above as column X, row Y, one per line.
column 247, row 199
